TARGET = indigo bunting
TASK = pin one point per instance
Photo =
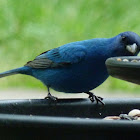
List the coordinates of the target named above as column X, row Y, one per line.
column 78, row 67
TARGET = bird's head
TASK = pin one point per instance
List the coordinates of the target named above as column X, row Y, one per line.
column 127, row 44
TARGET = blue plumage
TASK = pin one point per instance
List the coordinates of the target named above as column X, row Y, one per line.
column 79, row 66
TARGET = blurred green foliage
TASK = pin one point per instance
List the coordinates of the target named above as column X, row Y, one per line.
column 29, row 27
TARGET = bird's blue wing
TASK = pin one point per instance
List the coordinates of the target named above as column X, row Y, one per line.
column 59, row 57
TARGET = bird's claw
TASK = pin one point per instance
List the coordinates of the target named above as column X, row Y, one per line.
column 50, row 97
column 98, row 99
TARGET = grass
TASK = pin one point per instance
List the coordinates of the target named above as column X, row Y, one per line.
column 27, row 28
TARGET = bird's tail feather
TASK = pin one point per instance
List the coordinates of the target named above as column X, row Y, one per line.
column 11, row 72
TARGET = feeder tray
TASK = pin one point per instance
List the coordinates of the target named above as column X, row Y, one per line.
column 67, row 119
column 125, row 70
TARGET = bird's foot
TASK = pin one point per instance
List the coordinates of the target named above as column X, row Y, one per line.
column 50, row 97
column 93, row 98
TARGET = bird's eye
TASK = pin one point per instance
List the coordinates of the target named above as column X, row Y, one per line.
column 123, row 38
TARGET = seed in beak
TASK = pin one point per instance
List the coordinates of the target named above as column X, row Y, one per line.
column 132, row 48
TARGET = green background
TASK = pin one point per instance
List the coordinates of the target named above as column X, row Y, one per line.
column 29, row 27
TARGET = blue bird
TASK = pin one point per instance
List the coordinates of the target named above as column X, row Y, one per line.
column 79, row 67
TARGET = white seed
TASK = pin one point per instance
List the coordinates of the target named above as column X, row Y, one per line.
column 87, row 118
column 134, row 60
column 106, row 118
column 134, row 112
column 112, row 118
column 138, row 119
column 125, row 60
column 119, row 59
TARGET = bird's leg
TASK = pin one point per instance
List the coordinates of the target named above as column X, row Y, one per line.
column 93, row 98
column 49, row 96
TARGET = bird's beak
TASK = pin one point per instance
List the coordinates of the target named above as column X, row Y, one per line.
column 132, row 48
